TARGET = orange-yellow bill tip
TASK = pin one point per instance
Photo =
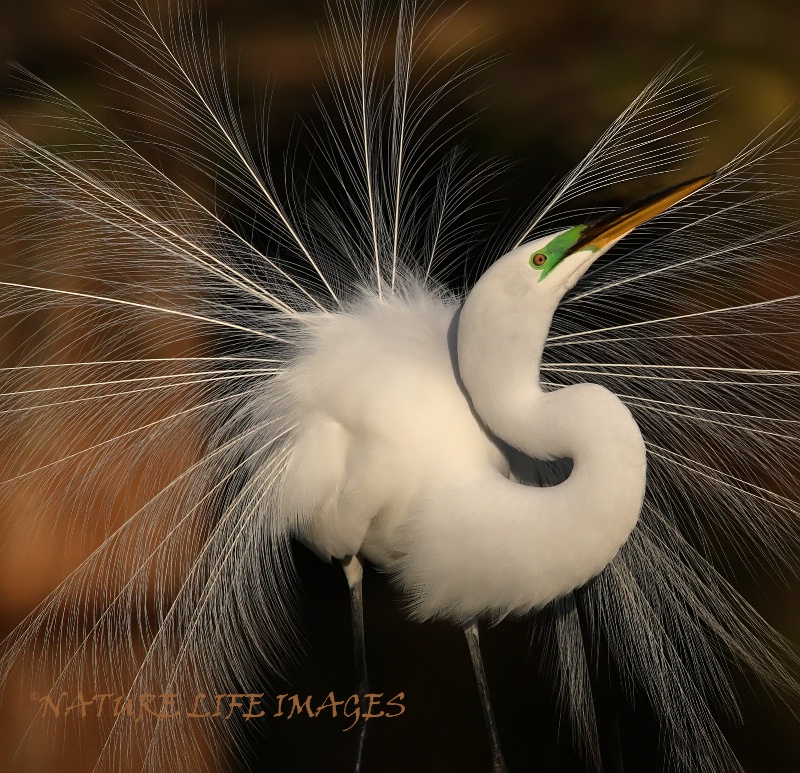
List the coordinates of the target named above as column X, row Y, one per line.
column 615, row 225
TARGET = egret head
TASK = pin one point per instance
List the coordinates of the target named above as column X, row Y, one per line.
column 560, row 260
column 504, row 322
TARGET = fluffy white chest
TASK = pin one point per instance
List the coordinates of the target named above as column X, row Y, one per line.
column 388, row 420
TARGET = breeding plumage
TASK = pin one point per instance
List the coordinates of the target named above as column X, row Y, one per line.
column 318, row 380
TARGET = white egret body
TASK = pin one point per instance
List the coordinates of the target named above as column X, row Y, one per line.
column 393, row 459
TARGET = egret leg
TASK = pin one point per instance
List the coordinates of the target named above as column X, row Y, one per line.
column 354, row 571
column 471, row 632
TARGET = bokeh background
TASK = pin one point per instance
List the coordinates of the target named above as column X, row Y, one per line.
column 562, row 73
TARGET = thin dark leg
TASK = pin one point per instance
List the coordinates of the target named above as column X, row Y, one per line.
column 354, row 571
column 471, row 632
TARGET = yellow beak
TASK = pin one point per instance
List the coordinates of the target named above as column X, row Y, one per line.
column 611, row 228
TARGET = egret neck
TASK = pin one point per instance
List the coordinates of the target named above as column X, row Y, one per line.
column 502, row 330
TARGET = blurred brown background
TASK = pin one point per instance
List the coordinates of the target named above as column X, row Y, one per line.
column 566, row 70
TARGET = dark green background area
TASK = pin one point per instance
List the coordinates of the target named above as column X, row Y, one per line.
column 566, row 69
column 563, row 72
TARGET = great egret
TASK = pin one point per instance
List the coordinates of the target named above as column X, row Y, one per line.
column 325, row 386
column 404, row 467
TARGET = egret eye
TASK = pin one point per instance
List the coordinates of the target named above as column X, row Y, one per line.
column 538, row 260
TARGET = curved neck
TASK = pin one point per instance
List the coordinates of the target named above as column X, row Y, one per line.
column 522, row 546
column 591, row 426
column 502, row 330
column 564, row 534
